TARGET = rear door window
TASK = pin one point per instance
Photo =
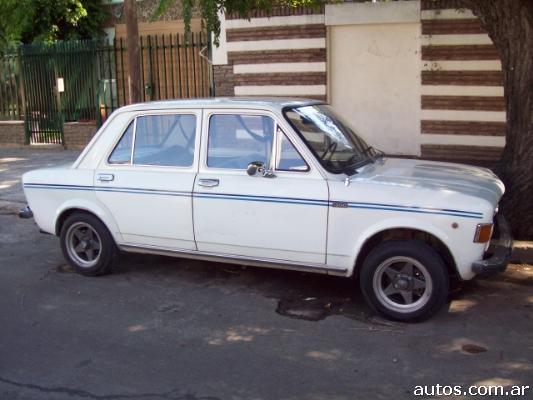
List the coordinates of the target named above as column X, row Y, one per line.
column 162, row 140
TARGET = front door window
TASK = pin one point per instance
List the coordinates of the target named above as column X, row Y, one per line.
column 237, row 140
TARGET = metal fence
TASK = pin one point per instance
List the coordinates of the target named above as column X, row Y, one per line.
column 60, row 82
column 10, row 88
column 93, row 78
column 171, row 68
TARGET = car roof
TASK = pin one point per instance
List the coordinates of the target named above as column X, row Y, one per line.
column 223, row 102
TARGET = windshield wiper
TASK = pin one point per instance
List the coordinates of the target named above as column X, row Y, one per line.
column 367, row 150
column 378, row 154
column 351, row 169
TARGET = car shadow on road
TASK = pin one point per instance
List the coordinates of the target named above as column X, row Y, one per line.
column 299, row 295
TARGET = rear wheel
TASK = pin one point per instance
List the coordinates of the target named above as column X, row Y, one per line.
column 87, row 245
column 405, row 280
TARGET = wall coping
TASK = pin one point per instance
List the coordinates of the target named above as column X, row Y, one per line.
column 17, row 122
column 394, row 12
column 83, row 123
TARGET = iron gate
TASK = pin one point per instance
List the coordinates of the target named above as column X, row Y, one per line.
column 94, row 78
column 60, row 84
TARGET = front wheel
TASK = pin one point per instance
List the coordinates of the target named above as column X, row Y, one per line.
column 404, row 280
column 87, row 245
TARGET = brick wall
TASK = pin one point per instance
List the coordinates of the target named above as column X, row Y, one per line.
column 284, row 55
column 458, row 108
column 78, row 134
column 224, row 80
column 462, row 102
column 11, row 133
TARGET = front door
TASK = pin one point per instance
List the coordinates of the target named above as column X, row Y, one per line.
column 282, row 217
column 147, row 180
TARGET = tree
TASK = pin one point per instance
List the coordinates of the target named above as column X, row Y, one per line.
column 132, row 43
column 28, row 21
column 209, row 10
column 510, row 26
column 10, row 25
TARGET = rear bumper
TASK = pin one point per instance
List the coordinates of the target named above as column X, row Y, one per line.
column 25, row 212
column 500, row 253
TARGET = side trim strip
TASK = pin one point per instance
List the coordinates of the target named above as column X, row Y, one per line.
column 233, row 259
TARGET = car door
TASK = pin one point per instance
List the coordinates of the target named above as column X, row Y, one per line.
column 146, row 180
column 279, row 217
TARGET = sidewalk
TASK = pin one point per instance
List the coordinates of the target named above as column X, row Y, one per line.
column 16, row 161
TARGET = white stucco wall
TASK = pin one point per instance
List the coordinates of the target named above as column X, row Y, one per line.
column 219, row 54
column 374, row 71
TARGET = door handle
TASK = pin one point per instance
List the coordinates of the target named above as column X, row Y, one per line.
column 208, row 182
column 105, row 177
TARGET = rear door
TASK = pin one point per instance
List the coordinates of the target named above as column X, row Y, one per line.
column 147, row 179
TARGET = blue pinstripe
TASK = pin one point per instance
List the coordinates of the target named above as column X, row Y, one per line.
column 266, row 199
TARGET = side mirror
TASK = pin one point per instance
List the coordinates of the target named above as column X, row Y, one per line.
column 259, row 167
column 254, row 167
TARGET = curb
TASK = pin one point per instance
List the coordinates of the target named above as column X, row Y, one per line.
column 10, row 207
column 522, row 252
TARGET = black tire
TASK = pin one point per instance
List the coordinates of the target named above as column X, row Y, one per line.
column 80, row 233
column 386, row 280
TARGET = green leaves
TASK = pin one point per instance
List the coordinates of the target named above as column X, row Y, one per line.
column 209, row 10
column 162, row 7
column 29, row 21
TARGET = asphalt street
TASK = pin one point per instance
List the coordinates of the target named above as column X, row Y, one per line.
column 163, row 328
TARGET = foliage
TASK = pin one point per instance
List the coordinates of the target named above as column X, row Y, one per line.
column 209, row 10
column 29, row 21
column 12, row 18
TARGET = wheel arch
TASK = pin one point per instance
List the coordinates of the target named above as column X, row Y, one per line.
column 431, row 238
column 84, row 207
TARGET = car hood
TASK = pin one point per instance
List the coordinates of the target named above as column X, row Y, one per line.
column 432, row 175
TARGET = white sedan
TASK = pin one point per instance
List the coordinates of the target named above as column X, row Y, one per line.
column 279, row 183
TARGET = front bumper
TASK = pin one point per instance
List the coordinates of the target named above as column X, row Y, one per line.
column 500, row 253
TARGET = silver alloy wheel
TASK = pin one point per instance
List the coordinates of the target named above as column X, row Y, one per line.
column 402, row 284
column 83, row 244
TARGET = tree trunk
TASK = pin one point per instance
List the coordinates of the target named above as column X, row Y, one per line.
column 509, row 24
column 132, row 43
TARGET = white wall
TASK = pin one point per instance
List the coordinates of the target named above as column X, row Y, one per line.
column 374, row 71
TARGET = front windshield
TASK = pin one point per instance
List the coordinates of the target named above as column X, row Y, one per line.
column 333, row 142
